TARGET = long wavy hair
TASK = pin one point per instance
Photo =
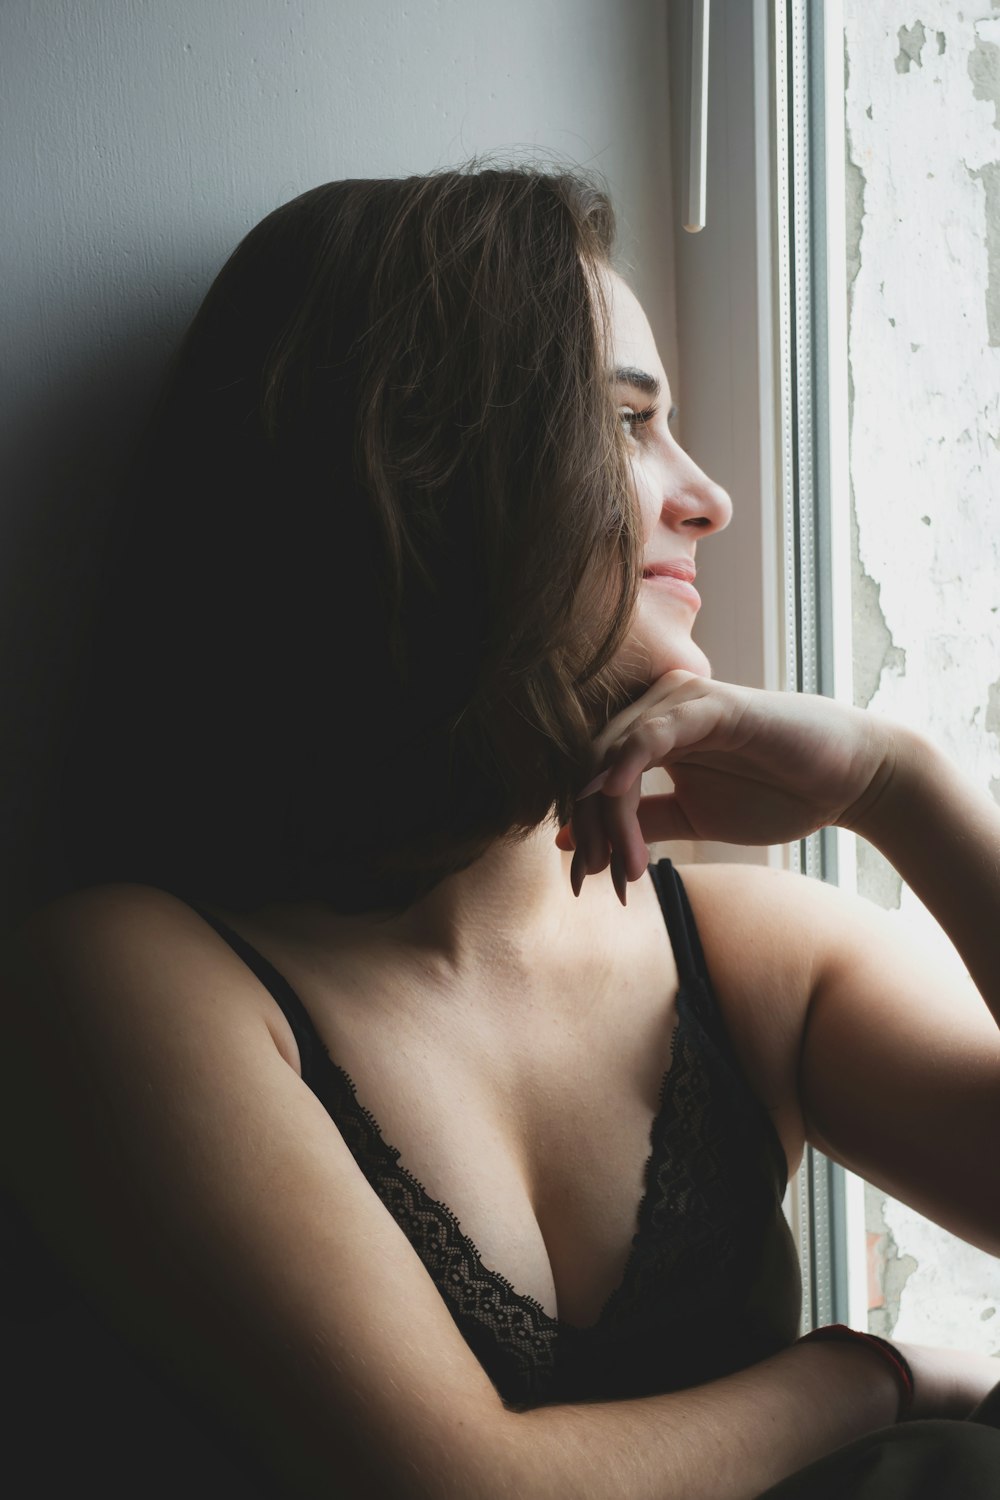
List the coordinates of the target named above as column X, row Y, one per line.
column 377, row 550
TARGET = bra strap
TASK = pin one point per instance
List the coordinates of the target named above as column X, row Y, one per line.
column 695, row 985
column 311, row 1050
column 683, row 933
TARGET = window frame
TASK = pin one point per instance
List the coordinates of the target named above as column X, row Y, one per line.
column 763, row 396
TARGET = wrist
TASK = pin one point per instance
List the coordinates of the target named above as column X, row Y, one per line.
column 894, row 1364
column 888, row 800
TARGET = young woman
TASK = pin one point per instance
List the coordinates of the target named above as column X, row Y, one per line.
column 400, row 1129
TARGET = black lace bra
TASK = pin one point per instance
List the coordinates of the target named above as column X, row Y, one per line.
column 712, row 1281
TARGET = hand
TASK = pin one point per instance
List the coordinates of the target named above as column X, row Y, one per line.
column 748, row 767
column 948, row 1382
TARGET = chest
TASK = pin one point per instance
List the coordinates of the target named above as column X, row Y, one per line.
column 525, row 1108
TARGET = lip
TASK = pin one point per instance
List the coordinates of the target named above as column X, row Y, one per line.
column 673, row 567
column 676, row 575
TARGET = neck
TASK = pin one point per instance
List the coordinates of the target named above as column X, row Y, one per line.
column 511, row 914
column 508, row 915
column 510, row 907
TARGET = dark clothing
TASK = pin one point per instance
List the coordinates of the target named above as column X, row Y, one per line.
column 711, row 1286
column 915, row 1461
column 712, row 1281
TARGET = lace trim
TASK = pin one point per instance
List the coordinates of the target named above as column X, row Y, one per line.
column 703, row 1194
column 681, row 1194
column 518, row 1323
column 710, row 1199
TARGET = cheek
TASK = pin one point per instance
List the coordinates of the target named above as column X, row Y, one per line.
column 649, row 510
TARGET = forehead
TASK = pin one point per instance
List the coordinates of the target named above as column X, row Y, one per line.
column 634, row 344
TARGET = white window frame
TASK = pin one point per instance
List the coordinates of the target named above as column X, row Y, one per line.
column 762, row 389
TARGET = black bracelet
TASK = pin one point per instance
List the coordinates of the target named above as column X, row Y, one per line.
column 889, row 1352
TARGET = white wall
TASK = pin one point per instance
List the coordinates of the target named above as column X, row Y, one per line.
column 724, row 391
column 725, row 387
column 923, row 110
column 142, row 138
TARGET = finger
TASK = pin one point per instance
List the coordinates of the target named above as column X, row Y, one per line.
column 593, row 786
column 694, row 724
column 646, row 746
column 565, row 839
column 667, row 691
column 576, row 873
column 610, row 818
column 588, row 826
column 624, row 833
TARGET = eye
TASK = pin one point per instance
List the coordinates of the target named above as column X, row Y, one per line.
column 633, row 419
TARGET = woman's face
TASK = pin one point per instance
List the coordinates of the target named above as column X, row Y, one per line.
column 679, row 504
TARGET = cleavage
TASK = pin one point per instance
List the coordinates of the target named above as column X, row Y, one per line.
column 534, row 1133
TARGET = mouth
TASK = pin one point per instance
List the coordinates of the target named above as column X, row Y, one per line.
column 678, row 567
column 676, row 578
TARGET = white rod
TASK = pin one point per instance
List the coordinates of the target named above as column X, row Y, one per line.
column 835, row 317
column 694, row 204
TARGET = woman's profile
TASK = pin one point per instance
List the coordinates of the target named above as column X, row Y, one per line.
column 389, row 1113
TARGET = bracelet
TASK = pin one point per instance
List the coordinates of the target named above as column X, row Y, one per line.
column 889, row 1352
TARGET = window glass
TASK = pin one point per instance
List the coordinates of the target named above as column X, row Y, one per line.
column 923, row 258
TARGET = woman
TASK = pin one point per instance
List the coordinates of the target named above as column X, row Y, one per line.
column 406, row 560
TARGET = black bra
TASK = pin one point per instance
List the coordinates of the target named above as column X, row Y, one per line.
column 690, row 1297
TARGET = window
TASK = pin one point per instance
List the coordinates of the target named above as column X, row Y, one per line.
column 747, row 306
column 923, row 313
column 839, row 339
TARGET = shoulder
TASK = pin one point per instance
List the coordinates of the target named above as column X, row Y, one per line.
column 96, row 922
column 777, row 928
column 63, row 957
column 789, row 933
column 860, row 1033
column 761, row 906
column 119, row 982
column 121, row 913
column 116, row 955
column 183, row 1174
column 767, row 934
column 119, row 1005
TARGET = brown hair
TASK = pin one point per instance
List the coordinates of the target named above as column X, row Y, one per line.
column 377, row 551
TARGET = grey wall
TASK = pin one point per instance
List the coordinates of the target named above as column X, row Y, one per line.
column 142, row 138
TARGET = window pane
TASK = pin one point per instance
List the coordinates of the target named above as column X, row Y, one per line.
column 923, row 258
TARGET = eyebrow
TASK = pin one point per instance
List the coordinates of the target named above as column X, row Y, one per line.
column 627, row 375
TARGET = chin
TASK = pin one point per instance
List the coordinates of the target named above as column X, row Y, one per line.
column 650, row 661
column 682, row 656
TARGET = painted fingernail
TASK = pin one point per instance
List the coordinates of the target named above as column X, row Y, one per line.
column 576, row 872
column 595, row 785
column 620, row 879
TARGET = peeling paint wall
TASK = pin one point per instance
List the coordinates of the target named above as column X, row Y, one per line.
column 923, row 275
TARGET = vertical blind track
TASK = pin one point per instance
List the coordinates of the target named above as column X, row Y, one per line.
column 802, row 270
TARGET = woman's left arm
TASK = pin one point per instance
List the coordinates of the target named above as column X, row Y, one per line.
column 859, row 1035
column 943, row 836
column 890, row 1053
column 900, row 1060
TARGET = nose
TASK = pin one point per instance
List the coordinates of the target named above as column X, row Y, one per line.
column 694, row 502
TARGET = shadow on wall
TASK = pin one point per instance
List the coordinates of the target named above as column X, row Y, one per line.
column 66, row 457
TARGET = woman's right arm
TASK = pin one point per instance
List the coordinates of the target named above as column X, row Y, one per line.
column 181, row 1167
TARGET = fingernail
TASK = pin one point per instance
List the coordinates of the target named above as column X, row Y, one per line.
column 595, row 785
column 620, row 879
column 576, row 873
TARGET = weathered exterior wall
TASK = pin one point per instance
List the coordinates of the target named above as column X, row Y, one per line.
column 923, row 257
